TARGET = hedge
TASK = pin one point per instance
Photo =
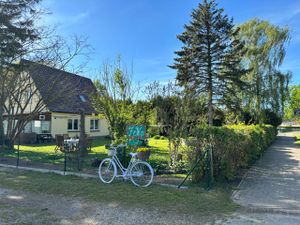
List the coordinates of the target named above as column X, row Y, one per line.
column 234, row 147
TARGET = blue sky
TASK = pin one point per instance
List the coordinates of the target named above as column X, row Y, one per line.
column 144, row 31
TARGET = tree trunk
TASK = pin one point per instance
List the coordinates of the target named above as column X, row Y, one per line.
column 2, row 135
column 82, row 138
column 258, row 99
column 210, row 106
column 209, row 74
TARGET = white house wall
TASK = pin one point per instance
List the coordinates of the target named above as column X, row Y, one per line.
column 59, row 125
column 35, row 98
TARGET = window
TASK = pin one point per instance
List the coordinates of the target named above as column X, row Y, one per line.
column 82, row 98
column 72, row 124
column 94, row 124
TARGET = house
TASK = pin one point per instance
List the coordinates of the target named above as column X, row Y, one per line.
column 65, row 96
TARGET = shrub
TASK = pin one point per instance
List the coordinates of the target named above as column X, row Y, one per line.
column 235, row 147
column 4, row 148
column 156, row 137
column 153, row 131
column 163, row 138
column 270, row 117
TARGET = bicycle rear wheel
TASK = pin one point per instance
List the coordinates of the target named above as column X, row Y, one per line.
column 107, row 170
column 141, row 174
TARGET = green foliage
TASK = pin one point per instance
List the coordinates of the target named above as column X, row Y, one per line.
column 156, row 137
column 265, row 44
column 153, row 131
column 114, row 98
column 272, row 118
column 234, row 147
column 4, row 148
column 163, row 138
column 17, row 29
column 142, row 149
column 293, row 102
column 143, row 113
column 17, row 35
column 295, row 97
column 209, row 61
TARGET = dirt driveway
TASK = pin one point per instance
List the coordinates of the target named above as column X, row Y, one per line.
column 31, row 208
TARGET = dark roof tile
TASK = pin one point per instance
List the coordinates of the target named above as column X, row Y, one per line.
column 61, row 90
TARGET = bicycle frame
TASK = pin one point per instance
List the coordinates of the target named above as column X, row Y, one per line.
column 121, row 167
column 135, row 169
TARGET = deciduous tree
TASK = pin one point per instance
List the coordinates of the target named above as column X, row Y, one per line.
column 115, row 94
column 265, row 44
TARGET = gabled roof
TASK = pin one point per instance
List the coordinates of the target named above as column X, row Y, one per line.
column 62, row 91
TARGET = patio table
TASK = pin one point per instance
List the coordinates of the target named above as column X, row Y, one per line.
column 71, row 142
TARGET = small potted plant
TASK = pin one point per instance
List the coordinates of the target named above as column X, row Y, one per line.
column 143, row 153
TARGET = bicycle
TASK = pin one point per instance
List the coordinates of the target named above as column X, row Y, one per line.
column 139, row 172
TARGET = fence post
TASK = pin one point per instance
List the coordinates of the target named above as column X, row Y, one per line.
column 78, row 161
column 18, row 152
column 210, row 168
column 65, row 162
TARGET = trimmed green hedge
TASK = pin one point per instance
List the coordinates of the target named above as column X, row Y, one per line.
column 235, row 147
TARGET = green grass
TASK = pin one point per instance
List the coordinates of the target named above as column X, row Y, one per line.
column 44, row 153
column 187, row 201
column 159, row 153
column 297, row 139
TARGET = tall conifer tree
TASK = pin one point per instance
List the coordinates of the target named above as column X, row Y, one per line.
column 210, row 59
column 17, row 32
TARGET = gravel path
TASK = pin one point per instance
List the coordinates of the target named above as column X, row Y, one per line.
column 34, row 208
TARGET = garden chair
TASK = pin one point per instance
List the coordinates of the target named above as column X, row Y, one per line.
column 59, row 141
column 75, row 148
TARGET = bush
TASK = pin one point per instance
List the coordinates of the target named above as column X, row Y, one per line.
column 153, row 131
column 270, row 117
column 235, row 147
column 156, row 137
column 4, row 148
column 163, row 138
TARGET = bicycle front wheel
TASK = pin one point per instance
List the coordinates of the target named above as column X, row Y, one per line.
column 141, row 174
column 107, row 170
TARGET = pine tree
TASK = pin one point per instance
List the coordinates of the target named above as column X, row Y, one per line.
column 17, row 33
column 210, row 59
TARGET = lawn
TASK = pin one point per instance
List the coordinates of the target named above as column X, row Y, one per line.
column 298, row 139
column 124, row 194
column 44, row 153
